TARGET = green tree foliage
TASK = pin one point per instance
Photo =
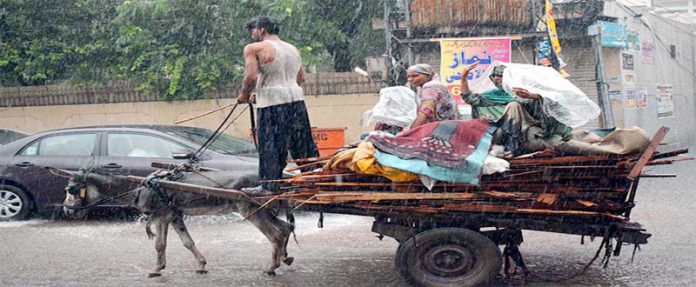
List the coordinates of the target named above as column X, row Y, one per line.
column 179, row 49
column 47, row 41
column 346, row 31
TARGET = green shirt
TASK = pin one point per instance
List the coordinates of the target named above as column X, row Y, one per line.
column 489, row 105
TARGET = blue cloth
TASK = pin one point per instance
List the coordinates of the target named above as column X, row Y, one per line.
column 468, row 174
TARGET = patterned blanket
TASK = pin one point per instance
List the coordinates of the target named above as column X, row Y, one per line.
column 444, row 143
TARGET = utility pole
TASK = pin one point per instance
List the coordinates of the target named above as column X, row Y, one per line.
column 602, row 86
column 409, row 32
column 397, row 32
column 388, row 35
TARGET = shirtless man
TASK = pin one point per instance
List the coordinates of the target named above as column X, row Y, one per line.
column 274, row 69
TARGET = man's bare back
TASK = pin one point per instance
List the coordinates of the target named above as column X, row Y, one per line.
column 256, row 54
column 262, row 51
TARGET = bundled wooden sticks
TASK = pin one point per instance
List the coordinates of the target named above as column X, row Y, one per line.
column 541, row 184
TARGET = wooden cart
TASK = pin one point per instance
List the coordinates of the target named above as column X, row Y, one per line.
column 449, row 235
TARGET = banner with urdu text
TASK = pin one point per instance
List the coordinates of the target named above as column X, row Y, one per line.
column 457, row 54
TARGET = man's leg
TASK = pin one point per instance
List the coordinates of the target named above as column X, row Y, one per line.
column 513, row 127
column 272, row 145
column 301, row 143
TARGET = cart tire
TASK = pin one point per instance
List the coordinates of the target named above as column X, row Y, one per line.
column 400, row 257
column 449, row 257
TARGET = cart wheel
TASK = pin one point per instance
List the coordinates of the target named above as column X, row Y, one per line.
column 449, row 257
column 400, row 257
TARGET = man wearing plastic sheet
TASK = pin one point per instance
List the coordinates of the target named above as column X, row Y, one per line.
column 523, row 124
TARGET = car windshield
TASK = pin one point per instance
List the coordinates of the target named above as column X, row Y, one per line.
column 8, row 136
column 225, row 144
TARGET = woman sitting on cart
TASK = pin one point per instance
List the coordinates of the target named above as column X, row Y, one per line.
column 523, row 126
column 435, row 103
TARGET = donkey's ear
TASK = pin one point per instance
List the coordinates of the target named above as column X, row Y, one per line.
column 60, row 172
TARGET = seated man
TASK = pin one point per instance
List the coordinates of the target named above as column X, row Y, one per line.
column 523, row 126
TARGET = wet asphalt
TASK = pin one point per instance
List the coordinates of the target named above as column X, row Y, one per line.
column 109, row 252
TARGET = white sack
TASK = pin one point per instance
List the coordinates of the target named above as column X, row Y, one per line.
column 396, row 107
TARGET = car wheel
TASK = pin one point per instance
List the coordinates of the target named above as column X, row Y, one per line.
column 15, row 204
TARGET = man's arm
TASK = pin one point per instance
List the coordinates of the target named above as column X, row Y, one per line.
column 465, row 81
column 523, row 93
column 301, row 76
column 470, row 98
column 466, row 94
column 251, row 68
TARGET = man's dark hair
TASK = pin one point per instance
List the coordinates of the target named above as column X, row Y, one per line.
column 498, row 71
column 271, row 25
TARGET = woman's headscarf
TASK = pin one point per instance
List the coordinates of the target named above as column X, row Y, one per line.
column 424, row 69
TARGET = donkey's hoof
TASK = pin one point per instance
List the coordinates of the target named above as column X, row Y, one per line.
column 271, row 273
column 154, row 274
column 288, row 261
column 202, row 271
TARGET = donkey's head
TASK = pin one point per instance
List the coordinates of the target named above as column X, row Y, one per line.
column 78, row 193
column 83, row 190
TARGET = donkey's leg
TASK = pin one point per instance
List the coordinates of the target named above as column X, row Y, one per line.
column 285, row 230
column 180, row 228
column 276, row 233
column 161, row 221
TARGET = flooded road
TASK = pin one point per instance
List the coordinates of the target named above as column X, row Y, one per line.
column 343, row 253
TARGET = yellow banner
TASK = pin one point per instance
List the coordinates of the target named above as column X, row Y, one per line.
column 455, row 54
column 553, row 37
column 551, row 27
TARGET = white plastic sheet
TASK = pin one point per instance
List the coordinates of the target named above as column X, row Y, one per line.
column 396, row 107
column 562, row 100
column 492, row 163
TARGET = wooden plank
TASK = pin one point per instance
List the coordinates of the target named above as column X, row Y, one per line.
column 547, row 198
column 522, row 186
column 657, row 175
column 231, row 194
column 485, row 209
column 671, row 153
column 670, row 161
column 310, row 159
column 377, row 196
column 298, row 167
column 559, row 160
column 336, row 197
column 648, row 153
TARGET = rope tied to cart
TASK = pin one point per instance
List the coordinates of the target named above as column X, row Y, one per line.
column 98, row 202
column 80, row 192
column 605, row 245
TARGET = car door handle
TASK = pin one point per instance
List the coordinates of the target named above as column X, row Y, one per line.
column 111, row 166
column 24, row 164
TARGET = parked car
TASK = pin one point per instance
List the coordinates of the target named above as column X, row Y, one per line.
column 7, row 136
column 27, row 187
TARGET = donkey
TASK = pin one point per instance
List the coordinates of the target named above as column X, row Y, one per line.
column 165, row 207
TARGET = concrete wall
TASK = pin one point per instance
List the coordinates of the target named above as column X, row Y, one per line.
column 324, row 111
column 678, row 71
